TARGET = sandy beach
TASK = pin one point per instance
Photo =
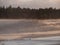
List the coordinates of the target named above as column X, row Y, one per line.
column 20, row 29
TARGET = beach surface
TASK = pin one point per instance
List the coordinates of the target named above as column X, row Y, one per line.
column 23, row 28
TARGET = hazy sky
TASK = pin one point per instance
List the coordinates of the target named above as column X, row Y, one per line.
column 31, row 3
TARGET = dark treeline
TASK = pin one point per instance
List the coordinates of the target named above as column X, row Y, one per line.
column 27, row 13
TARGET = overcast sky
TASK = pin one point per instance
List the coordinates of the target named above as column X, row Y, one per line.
column 31, row 3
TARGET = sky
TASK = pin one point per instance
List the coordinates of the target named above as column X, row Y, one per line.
column 31, row 3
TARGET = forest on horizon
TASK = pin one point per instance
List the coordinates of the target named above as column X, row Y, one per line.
column 27, row 13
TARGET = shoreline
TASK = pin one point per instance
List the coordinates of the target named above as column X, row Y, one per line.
column 29, row 19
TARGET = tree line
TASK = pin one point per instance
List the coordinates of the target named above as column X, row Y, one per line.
column 27, row 13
